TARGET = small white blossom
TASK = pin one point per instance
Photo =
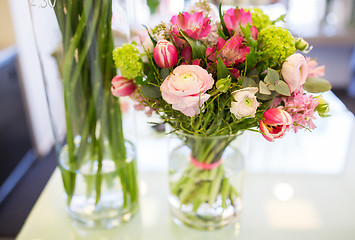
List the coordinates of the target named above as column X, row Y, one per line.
column 245, row 104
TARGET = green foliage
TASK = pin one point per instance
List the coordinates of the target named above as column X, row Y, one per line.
column 153, row 5
column 127, row 58
column 198, row 49
column 225, row 32
column 316, row 85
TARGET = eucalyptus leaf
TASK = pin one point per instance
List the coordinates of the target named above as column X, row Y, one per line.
column 282, row 88
column 151, row 91
column 271, row 87
column 273, row 76
column 264, row 97
column 198, row 49
column 263, row 88
column 249, row 82
column 316, row 85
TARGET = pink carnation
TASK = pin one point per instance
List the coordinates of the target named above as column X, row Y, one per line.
column 301, row 107
column 313, row 69
column 186, row 88
column 195, row 26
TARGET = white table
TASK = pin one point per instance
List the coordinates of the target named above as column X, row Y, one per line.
column 286, row 196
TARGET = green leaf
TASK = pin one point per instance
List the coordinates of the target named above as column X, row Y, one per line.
column 282, row 88
column 316, row 85
column 139, row 80
column 251, row 60
column 225, row 30
column 222, row 70
column 198, row 49
column 281, row 18
column 264, row 97
column 150, row 78
column 151, row 91
column 271, row 87
column 164, row 72
column 263, row 88
column 273, row 76
column 221, row 34
column 150, row 36
column 247, row 35
column 249, row 82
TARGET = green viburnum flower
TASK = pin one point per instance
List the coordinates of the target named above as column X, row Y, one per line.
column 276, row 44
column 260, row 20
column 128, row 60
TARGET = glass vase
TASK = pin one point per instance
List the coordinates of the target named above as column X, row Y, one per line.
column 206, row 180
column 75, row 40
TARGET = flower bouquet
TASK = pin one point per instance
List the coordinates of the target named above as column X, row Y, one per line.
column 211, row 76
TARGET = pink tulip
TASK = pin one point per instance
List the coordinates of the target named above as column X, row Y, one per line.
column 294, row 71
column 275, row 123
column 122, row 87
column 165, row 54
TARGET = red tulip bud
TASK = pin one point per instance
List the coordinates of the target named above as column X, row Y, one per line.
column 122, row 87
column 165, row 54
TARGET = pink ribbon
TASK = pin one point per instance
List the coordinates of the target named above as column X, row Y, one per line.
column 205, row 166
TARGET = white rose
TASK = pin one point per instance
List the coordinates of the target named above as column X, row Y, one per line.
column 245, row 104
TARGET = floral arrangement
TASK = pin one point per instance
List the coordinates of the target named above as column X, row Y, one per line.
column 206, row 75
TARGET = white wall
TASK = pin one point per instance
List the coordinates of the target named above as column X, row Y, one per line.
column 32, row 81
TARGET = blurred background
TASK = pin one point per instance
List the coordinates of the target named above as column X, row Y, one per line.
column 26, row 141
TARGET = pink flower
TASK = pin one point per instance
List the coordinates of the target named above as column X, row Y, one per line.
column 301, row 107
column 313, row 69
column 233, row 52
column 275, row 123
column 195, row 26
column 165, row 54
column 186, row 88
column 186, row 57
column 294, row 71
column 236, row 18
column 122, row 87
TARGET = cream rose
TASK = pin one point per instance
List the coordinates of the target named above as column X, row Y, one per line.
column 245, row 104
column 186, row 88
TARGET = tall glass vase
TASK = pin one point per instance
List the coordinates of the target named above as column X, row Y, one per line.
column 206, row 180
column 75, row 42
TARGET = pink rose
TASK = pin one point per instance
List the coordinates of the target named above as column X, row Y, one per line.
column 122, row 87
column 294, row 71
column 186, row 88
column 275, row 123
column 165, row 54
